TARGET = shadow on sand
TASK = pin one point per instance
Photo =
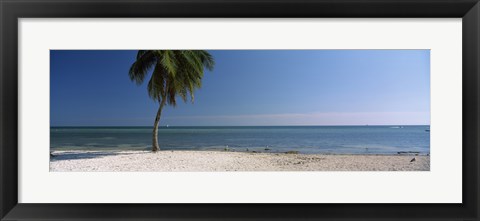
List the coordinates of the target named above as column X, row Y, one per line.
column 79, row 155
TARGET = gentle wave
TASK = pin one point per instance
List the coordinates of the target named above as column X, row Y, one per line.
column 305, row 139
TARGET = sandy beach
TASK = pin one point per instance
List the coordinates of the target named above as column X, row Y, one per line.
column 208, row 161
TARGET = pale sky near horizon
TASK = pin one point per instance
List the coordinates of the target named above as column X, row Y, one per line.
column 250, row 88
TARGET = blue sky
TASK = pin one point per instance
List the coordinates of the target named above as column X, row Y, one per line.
column 250, row 87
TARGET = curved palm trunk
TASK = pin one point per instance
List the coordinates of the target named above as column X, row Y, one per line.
column 155, row 146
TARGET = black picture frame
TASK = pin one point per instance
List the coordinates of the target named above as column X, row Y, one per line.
column 12, row 10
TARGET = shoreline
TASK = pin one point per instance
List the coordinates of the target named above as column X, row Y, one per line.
column 401, row 153
column 224, row 161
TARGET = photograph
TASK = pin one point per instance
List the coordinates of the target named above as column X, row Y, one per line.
column 238, row 110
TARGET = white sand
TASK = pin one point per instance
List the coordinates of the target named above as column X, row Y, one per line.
column 190, row 161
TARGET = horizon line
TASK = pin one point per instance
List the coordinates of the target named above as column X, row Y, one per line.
column 360, row 125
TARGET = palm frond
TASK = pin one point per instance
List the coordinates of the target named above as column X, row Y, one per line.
column 156, row 85
column 176, row 72
column 139, row 69
column 142, row 52
column 207, row 59
column 169, row 62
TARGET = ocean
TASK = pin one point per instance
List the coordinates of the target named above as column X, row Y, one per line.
column 275, row 139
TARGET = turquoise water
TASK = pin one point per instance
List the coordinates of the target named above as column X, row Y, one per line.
column 305, row 139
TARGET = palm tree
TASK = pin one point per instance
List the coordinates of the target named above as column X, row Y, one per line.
column 175, row 73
